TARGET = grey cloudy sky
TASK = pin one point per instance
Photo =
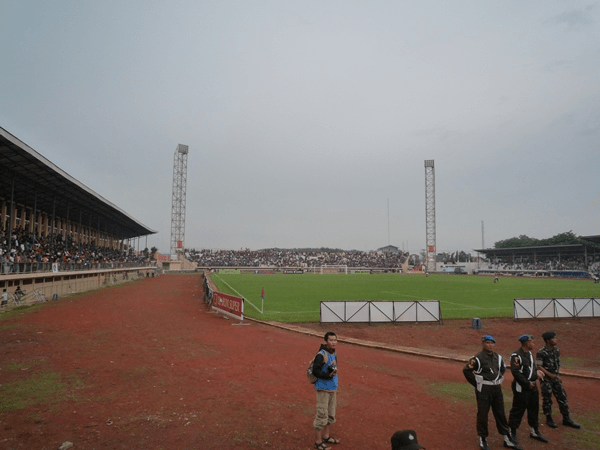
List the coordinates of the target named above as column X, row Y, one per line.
column 304, row 117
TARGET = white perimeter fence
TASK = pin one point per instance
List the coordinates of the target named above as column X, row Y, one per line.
column 541, row 308
column 381, row 311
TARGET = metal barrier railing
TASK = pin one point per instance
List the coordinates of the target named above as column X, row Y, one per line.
column 25, row 268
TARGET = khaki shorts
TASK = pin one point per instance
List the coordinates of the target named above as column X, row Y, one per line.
column 326, row 402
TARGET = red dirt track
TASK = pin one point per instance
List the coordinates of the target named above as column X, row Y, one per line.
column 147, row 367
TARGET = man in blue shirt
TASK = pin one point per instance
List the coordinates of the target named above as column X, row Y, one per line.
column 325, row 369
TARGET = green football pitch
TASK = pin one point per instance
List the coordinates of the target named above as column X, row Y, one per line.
column 296, row 298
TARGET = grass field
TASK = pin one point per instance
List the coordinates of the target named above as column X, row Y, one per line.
column 296, row 298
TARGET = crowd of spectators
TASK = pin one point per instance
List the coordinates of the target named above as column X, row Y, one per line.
column 591, row 264
column 357, row 259
column 293, row 258
column 22, row 251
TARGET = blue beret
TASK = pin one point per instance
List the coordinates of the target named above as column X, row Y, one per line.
column 526, row 337
column 487, row 337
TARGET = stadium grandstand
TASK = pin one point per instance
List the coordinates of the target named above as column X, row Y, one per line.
column 572, row 260
column 299, row 259
column 52, row 223
column 577, row 260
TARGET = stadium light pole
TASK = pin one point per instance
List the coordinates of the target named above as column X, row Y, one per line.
column 178, row 200
column 430, row 249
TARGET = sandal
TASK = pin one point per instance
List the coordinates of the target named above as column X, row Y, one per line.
column 330, row 440
column 321, row 446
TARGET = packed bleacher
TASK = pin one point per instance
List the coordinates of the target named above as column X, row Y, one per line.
column 591, row 264
column 292, row 258
column 28, row 253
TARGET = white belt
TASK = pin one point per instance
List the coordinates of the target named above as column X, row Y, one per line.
column 492, row 383
column 481, row 382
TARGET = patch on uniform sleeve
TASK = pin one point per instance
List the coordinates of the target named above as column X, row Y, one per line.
column 516, row 362
column 472, row 363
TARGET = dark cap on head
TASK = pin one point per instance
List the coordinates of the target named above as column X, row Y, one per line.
column 526, row 337
column 405, row 440
column 548, row 335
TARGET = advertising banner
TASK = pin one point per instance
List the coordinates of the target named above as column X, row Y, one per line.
column 228, row 304
column 543, row 308
column 380, row 311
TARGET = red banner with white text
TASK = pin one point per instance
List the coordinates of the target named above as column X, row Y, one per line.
column 228, row 304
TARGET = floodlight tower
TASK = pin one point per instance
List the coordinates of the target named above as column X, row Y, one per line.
column 430, row 249
column 178, row 202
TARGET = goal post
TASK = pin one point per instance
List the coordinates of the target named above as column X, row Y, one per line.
column 334, row 269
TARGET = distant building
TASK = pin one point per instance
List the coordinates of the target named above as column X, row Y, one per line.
column 389, row 249
column 159, row 257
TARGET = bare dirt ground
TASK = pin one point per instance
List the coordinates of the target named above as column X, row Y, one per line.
column 145, row 366
column 578, row 338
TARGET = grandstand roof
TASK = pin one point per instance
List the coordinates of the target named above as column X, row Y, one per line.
column 39, row 182
column 594, row 239
column 549, row 250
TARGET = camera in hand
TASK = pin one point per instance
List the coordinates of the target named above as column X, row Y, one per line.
column 332, row 368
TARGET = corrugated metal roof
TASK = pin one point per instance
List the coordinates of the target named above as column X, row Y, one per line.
column 40, row 183
column 549, row 250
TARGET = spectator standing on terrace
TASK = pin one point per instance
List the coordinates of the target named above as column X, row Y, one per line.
column 548, row 362
column 525, row 392
column 485, row 371
column 325, row 369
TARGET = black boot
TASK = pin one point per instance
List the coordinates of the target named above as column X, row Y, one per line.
column 569, row 423
column 551, row 423
column 510, row 442
column 535, row 434
column 483, row 445
column 513, row 435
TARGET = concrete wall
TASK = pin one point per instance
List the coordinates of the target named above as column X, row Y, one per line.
column 64, row 283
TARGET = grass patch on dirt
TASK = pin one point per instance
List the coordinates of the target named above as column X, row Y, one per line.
column 24, row 365
column 456, row 391
column 44, row 388
column 588, row 437
column 19, row 311
column 572, row 363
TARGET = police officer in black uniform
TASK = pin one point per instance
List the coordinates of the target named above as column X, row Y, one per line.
column 485, row 371
column 548, row 362
column 525, row 393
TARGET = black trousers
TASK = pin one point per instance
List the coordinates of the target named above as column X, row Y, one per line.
column 490, row 397
column 526, row 400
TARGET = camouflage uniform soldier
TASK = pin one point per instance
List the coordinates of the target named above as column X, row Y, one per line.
column 548, row 361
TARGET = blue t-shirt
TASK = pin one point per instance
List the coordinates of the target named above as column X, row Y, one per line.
column 330, row 384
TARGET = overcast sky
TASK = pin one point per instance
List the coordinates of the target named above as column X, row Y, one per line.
column 305, row 118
